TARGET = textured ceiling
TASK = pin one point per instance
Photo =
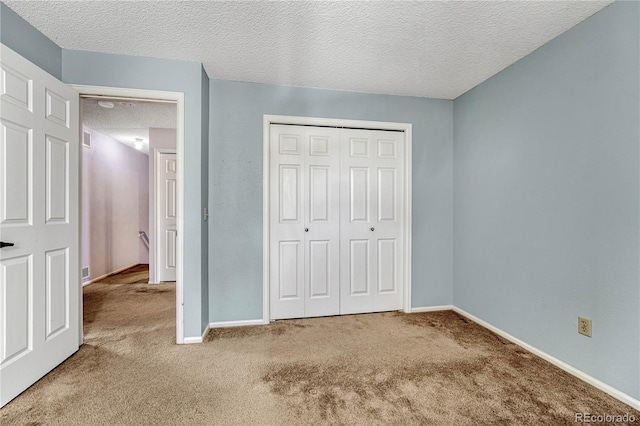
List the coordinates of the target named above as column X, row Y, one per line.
column 430, row 49
column 127, row 121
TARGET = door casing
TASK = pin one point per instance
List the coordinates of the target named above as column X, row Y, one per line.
column 406, row 128
column 178, row 98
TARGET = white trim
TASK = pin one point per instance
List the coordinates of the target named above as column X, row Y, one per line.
column 117, row 271
column 240, row 323
column 191, row 340
column 334, row 122
column 408, row 227
column 266, row 125
column 80, row 223
column 431, row 309
column 177, row 97
column 627, row 399
column 155, row 231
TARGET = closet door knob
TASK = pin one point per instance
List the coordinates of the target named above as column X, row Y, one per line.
column 373, row 229
column 306, row 229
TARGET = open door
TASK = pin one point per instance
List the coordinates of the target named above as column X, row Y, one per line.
column 39, row 273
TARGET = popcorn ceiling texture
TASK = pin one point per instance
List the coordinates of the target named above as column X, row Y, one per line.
column 427, row 49
column 129, row 120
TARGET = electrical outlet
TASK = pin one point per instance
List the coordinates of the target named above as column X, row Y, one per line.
column 584, row 326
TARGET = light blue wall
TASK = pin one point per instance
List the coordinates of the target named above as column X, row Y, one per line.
column 21, row 37
column 546, row 197
column 235, row 185
column 99, row 69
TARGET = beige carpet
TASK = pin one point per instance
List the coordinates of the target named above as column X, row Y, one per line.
column 390, row 368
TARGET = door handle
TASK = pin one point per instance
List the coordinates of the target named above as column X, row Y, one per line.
column 306, row 229
column 372, row 229
column 3, row 244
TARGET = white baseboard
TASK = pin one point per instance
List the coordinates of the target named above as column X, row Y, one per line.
column 240, row 323
column 117, row 271
column 221, row 324
column 197, row 339
column 431, row 308
column 627, row 399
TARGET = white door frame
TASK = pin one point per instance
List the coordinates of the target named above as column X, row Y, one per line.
column 177, row 97
column 268, row 120
column 155, row 231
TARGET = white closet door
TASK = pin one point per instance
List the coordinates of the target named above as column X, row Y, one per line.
column 39, row 273
column 322, row 221
column 372, row 179
column 305, row 222
column 286, row 230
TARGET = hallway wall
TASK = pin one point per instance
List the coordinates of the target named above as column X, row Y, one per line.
column 115, row 205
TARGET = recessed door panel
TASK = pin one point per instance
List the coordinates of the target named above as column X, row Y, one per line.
column 319, row 193
column 319, row 146
column 170, row 165
column 57, row 182
column 15, row 299
column 387, row 266
column 289, row 193
column 289, row 145
column 359, row 267
column 359, row 147
column 387, row 199
column 359, row 194
column 290, row 259
column 170, row 189
column 171, row 256
column 386, row 148
column 16, row 174
column 57, row 291
column 16, row 88
column 57, row 110
column 319, row 261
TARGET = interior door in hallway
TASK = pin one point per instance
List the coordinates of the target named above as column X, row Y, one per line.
column 304, row 221
column 371, row 226
column 166, row 208
column 39, row 224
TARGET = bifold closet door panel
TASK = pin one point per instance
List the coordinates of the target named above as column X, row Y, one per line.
column 286, row 228
column 304, row 222
column 371, row 201
column 322, row 221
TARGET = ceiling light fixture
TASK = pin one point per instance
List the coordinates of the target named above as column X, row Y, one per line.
column 139, row 144
column 106, row 104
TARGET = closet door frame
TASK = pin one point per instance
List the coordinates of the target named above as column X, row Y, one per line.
column 268, row 120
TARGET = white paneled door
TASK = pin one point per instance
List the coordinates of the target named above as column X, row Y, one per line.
column 371, row 220
column 167, row 234
column 305, row 220
column 336, row 209
column 39, row 273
